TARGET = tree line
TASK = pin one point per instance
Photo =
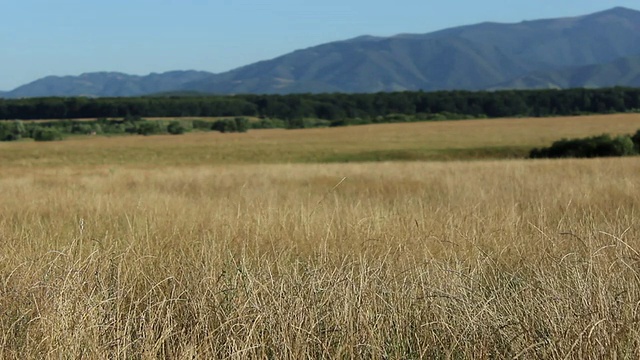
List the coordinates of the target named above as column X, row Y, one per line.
column 337, row 109
column 58, row 129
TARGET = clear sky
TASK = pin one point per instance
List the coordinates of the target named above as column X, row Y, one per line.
column 70, row 37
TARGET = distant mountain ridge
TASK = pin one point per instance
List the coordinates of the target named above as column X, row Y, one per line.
column 107, row 84
column 470, row 57
column 596, row 50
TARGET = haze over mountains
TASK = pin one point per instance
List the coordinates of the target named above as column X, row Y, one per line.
column 107, row 84
column 597, row 50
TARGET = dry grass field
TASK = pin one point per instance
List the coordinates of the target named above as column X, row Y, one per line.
column 204, row 246
column 470, row 139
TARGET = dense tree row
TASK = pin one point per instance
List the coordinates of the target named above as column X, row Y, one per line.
column 341, row 109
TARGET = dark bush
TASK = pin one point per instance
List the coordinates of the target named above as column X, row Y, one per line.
column 636, row 141
column 11, row 131
column 224, row 126
column 176, row 128
column 296, row 123
column 46, row 134
column 242, row 124
column 348, row 122
column 596, row 146
column 340, row 122
column 150, row 127
column 130, row 127
column 238, row 124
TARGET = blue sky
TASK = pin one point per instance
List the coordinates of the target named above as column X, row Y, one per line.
column 69, row 37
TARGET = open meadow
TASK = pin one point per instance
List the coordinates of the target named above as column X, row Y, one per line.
column 285, row 245
column 443, row 140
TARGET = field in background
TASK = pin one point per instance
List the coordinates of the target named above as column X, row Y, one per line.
column 187, row 247
column 469, row 139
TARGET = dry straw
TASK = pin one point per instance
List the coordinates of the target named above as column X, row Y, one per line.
column 513, row 259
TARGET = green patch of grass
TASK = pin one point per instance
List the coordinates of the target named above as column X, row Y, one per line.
column 501, row 152
column 377, row 155
column 490, row 152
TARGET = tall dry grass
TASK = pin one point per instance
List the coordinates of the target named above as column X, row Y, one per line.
column 513, row 259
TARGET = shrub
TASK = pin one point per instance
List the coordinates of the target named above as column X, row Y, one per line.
column 340, row 122
column 295, row 123
column 19, row 129
column 350, row 121
column 142, row 127
column 176, row 128
column 316, row 123
column 238, row 124
column 224, row 126
column 268, row 124
column 97, row 128
column 114, row 128
column 46, row 134
column 636, row 141
column 242, row 124
column 596, row 146
column 130, row 127
column 149, row 127
column 81, row 128
column 623, row 146
column 396, row 118
column 201, row 124
column 11, row 131
column 262, row 124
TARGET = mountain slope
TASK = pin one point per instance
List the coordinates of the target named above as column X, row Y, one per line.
column 106, row 84
column 370, row 66
column 583, row 40
column 469, row 57
column 621, row 72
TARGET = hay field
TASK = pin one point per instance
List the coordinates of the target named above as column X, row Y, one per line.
column 183, row 260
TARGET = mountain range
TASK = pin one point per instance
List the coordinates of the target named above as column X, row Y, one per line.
column 107, row 84
column 596, row 50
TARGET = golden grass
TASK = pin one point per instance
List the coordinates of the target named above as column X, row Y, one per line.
column 495, row 138
column 379, row 260
column 153, row 253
